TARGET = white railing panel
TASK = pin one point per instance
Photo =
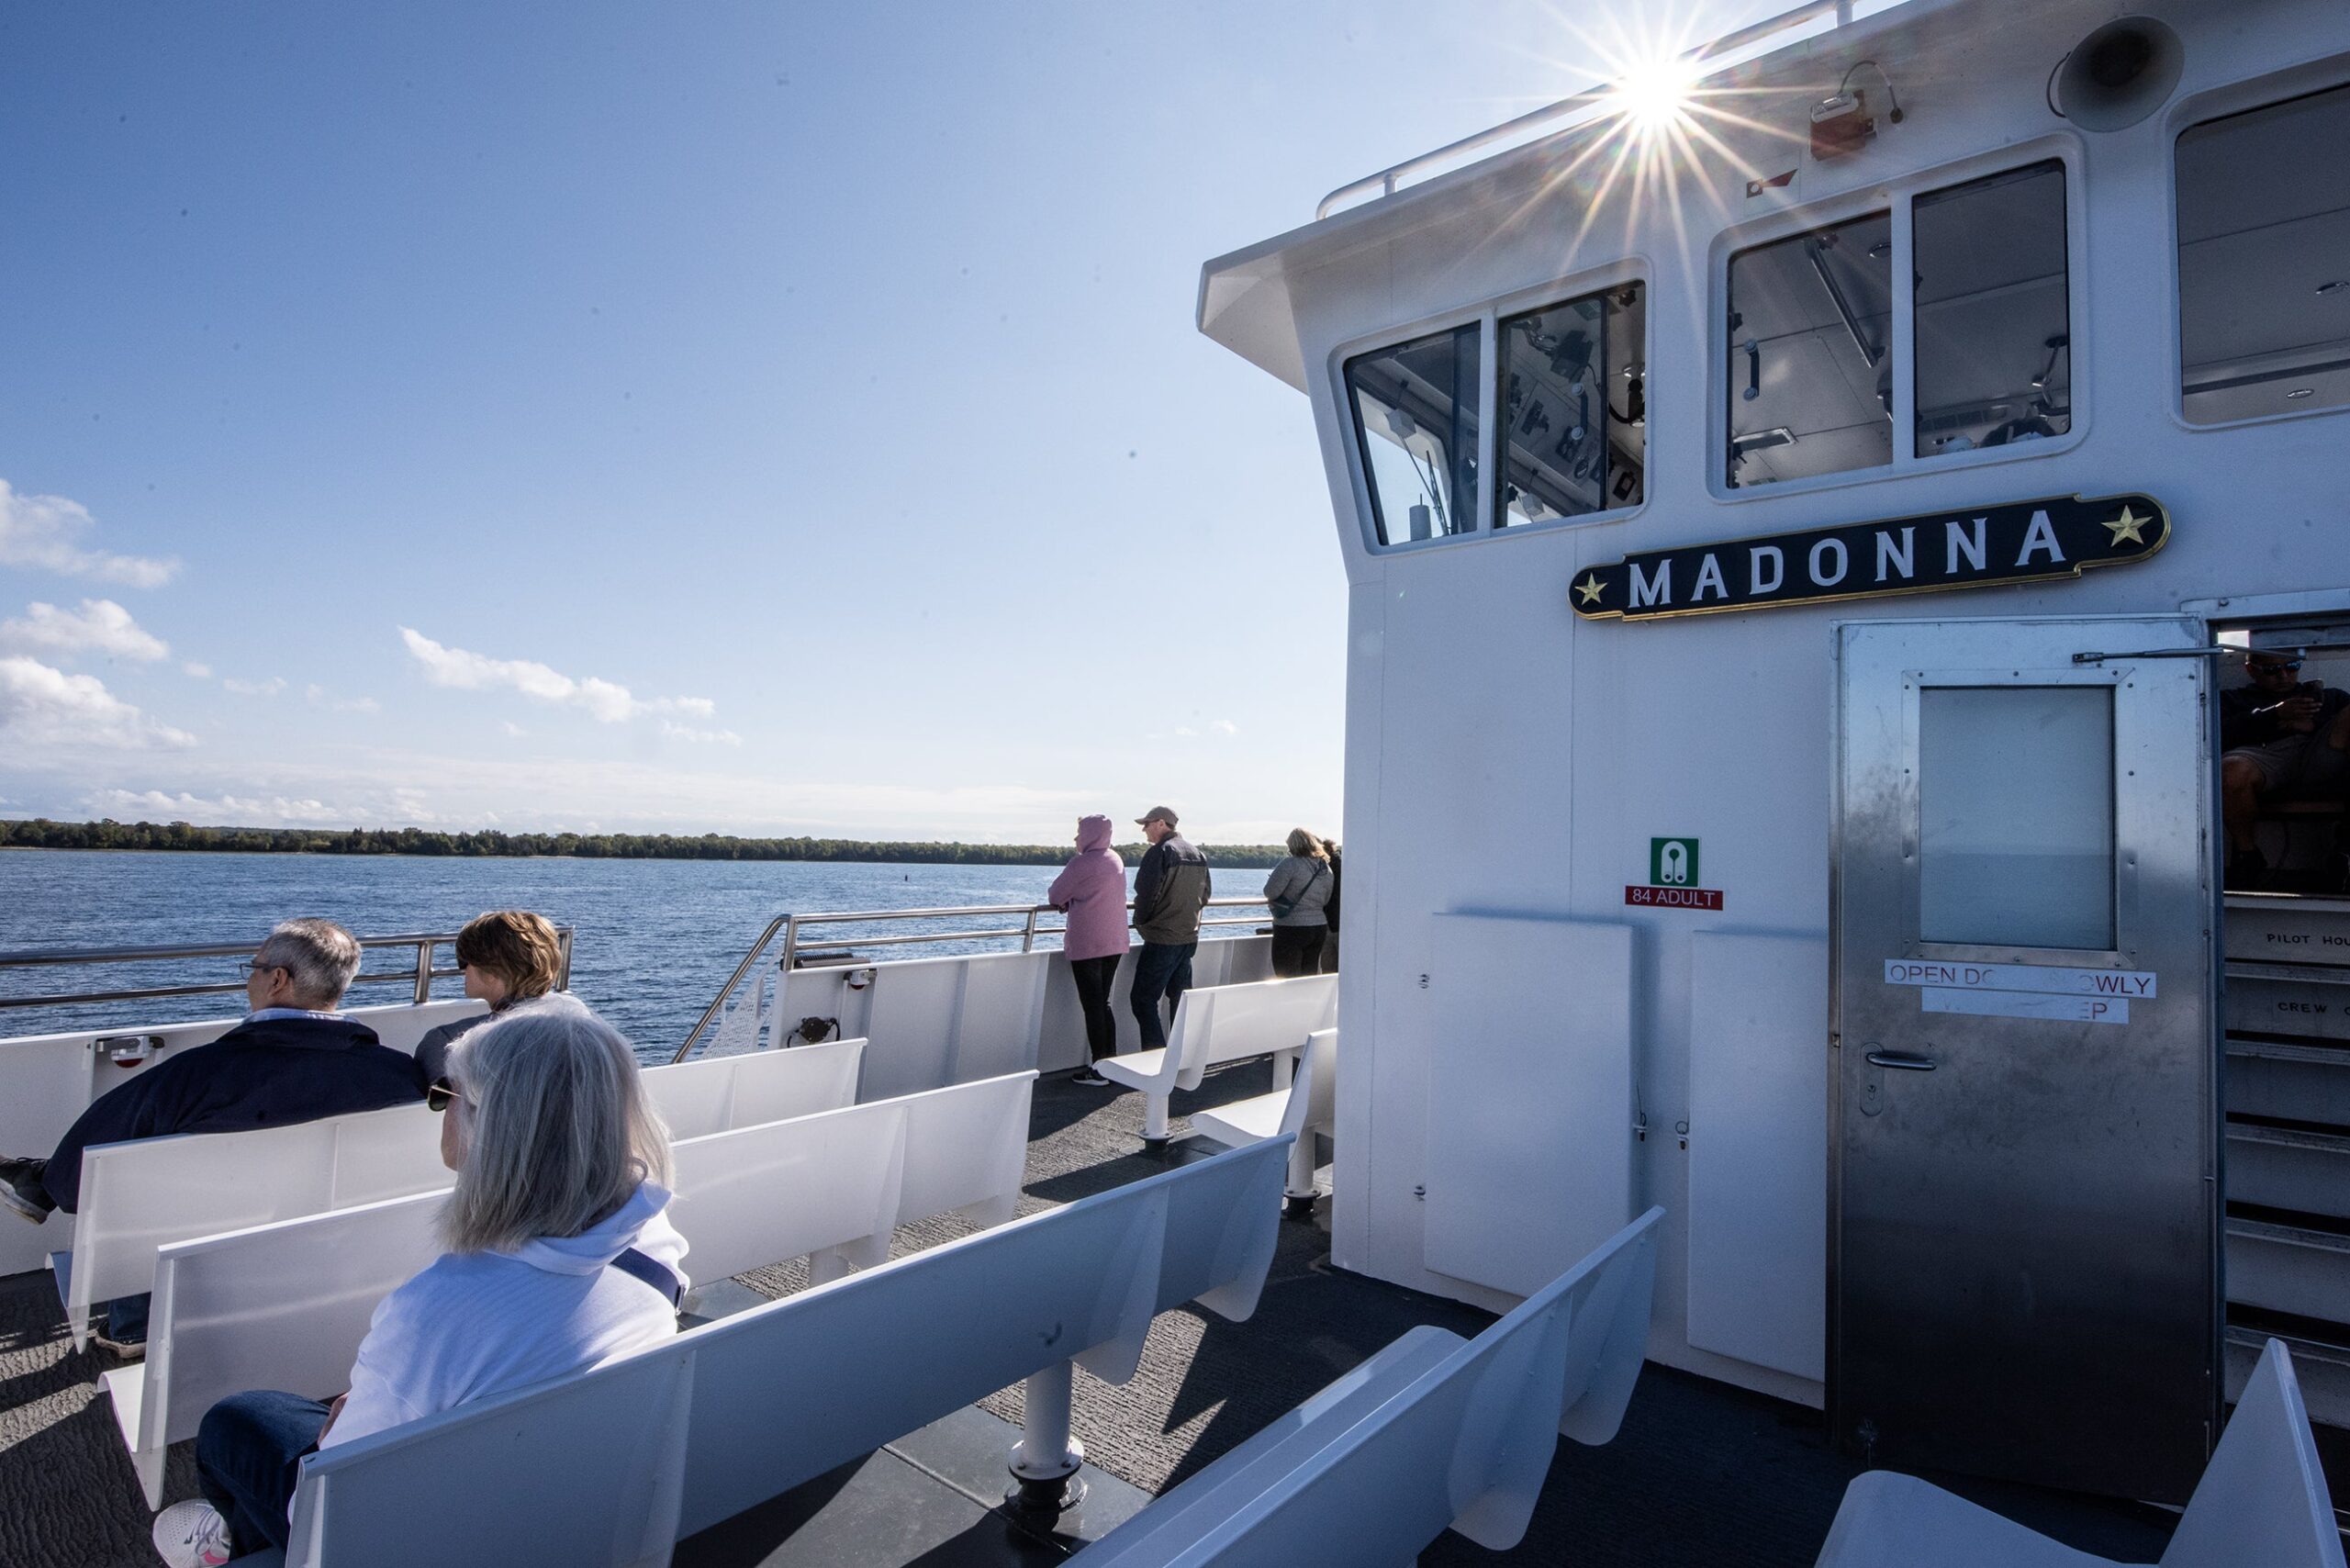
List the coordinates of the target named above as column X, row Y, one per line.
column 913, row 1008
column 999, row 1014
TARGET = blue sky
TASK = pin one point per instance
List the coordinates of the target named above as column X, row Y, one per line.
column 719, row 417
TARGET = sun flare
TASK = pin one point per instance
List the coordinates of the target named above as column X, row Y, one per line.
column 1654, row 94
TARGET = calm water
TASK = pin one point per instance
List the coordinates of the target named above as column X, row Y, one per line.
column 654, row 939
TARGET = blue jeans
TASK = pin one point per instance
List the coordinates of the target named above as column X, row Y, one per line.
column 127, row 1320
column 249, row 1455
column 1161, row 969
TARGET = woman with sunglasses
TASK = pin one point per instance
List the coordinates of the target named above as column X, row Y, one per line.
column 559, row 1258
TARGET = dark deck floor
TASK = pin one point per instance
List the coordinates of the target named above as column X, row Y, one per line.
column 1700, row 1474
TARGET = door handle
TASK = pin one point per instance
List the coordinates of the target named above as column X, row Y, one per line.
column 1902, row 1059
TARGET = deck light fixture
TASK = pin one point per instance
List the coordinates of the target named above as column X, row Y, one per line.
column 2335, row 286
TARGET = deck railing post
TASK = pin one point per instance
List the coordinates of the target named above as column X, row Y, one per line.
column 1028, row 935
column 424, row 946
column 1045, row 1460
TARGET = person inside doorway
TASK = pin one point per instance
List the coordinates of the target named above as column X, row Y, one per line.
column 2280, row 735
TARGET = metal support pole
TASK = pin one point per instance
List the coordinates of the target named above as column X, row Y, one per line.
column 1298, row 1190
column 424, row 946
column 1045, row 1460
column 1028, row 937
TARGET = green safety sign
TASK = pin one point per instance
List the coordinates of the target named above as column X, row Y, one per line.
column 1672, row 862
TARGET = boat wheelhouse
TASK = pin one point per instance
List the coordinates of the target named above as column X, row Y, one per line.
column 1798, row 528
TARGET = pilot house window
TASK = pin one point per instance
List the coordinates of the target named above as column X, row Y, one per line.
column 1416, row 419
column 1994, row 338
column 1811, row 354
column 2264, row 261
column 1573, row 403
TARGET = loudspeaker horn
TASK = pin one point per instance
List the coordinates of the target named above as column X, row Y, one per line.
column 2117, row 75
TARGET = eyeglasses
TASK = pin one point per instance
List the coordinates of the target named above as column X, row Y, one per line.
column 253, row 967
column 441, row 1094
column 2286, row 666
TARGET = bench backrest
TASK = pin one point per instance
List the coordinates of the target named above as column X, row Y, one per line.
column 1314, row 1088
column 1226, row 1022
column 599, row 1459
column 712, row 1094
column 785, row 1391
column 138, row 1197
column 2262, row 1498
column 284, row 1305
column 1467, row 1442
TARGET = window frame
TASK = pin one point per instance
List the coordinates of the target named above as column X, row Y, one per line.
column 2226, row 101
column 1897, row 198
column 1487, row 315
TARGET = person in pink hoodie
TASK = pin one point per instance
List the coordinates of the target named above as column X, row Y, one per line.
column 1091, row 891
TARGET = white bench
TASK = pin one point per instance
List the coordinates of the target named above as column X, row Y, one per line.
column 141, row 1195
column 1221, row 1023
column 1430, row 1432
column 2262, row 1501
column 780, row 1394
column 46, row 1081
column 1305, row 1108
column 284, row 1305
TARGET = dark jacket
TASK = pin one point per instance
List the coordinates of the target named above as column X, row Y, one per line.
column 2247, row 716
column 259, row 1074
column 432, row 1051
column 1171, row 885
column 1337, row 887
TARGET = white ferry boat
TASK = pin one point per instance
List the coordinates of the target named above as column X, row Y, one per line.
column 1960, row 391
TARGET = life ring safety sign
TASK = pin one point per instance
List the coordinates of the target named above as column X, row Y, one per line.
column 1673, row 878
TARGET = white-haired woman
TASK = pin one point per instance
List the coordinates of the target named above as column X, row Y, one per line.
column 559, row 1259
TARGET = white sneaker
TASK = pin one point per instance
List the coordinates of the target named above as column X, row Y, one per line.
column 192, row 1535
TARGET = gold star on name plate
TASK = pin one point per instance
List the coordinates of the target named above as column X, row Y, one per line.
column 2127, row 527
column 1590, row 588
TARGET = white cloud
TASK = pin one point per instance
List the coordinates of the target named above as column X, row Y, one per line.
column 514, row 729
column 201, row 672
column 44, row 705
column 42, row 530
column 1224, row 727
column 270, row 687
column 688, row 733
column 605, row 701
column 99, row 626
column 214, row 811
column 319, row 696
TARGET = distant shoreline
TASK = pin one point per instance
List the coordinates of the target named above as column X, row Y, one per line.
column 41, row 832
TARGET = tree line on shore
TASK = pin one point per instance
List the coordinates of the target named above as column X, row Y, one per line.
column 41, row 832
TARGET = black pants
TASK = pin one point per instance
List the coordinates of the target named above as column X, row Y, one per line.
column 1093, row 976
column 1162, row 970
column 1297, row 951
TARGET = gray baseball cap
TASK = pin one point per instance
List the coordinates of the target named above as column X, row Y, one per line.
column 1156, row 814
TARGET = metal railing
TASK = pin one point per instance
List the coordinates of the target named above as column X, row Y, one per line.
column 419, row 975
column 1387, row 181
column 793, row 926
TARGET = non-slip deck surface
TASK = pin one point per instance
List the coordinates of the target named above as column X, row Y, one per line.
column 1700, row 1474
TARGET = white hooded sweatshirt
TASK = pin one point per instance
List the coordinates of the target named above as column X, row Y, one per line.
column 475, row 1324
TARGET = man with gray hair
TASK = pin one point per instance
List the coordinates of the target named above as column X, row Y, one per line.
column 292, row 1059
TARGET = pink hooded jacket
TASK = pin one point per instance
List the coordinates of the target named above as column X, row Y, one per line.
column 1092, row 889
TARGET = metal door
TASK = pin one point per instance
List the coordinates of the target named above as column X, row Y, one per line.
column 2024, row 1207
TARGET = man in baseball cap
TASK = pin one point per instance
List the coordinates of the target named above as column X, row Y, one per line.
column 1171, row 885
